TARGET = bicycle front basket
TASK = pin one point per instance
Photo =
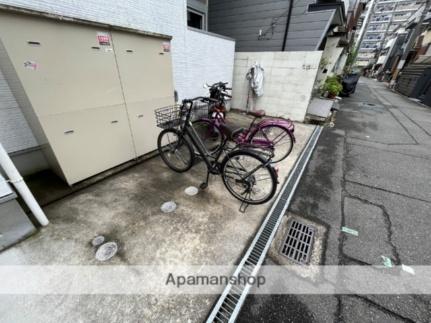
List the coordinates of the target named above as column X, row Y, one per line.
column 169, row 117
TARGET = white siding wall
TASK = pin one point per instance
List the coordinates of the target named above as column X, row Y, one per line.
column 195, row 55
column 288, row 82
column 15, row 133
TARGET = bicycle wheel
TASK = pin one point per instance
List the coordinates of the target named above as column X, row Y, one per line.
column 210, row 135
column 275, row 137
column 175, row 150
column 247, row 177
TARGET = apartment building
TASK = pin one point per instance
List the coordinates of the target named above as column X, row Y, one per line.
column 386, row 17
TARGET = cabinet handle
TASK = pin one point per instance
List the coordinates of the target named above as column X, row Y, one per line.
column 95, row 47
column 69, row 132
column 129, row 50
column 140, row 115
column 31, row 42
column 114, row 121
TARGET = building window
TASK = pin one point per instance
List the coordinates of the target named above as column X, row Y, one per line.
column 195, row 19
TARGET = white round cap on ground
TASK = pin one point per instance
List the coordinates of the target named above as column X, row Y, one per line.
column 106, row 251
column 97, row 241
column 191, row 191
column 168, row 207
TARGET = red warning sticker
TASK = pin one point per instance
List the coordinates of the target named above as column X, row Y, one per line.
column 104, row 39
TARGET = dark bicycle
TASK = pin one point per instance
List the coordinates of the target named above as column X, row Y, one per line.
column 246, row 173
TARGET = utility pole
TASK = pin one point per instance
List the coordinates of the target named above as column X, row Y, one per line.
column 364, row 26
column 412, row 40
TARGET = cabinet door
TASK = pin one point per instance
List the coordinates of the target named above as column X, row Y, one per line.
column 145, row 70
column 143, row 124
column 88, row 142
column 62, row 66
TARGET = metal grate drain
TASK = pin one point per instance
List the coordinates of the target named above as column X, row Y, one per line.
column 298, row 243
column 230, row 302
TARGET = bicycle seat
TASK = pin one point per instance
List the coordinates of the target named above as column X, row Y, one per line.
column 231, row 131
column 258, row 113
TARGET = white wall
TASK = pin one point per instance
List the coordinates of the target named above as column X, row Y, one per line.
column 288, row 82
column 197, row 57
column 209, row 59
column 15, row 133
column 330, row 55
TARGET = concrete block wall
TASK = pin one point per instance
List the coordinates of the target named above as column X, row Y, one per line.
column 197, row 57
column 288, row 82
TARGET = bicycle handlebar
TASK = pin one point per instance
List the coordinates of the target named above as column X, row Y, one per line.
column 201, row 98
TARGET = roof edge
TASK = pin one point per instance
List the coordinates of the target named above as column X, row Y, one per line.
column 62, row 18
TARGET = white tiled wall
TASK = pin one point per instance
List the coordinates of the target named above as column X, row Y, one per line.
column 197, row 57
column 288, row 82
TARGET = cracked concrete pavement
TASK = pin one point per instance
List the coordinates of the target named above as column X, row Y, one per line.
column 371, row 173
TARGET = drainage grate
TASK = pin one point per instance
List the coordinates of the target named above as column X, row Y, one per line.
column 230, row 302
column 298, row 243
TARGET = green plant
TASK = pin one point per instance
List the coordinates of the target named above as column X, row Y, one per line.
column 332, row 85
column 351, row 59
column 323, row 63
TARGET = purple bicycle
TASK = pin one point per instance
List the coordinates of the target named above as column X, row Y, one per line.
column 271, row 134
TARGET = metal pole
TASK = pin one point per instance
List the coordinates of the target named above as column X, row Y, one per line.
column 22, row 188
column 365, row 25
column 286, row 31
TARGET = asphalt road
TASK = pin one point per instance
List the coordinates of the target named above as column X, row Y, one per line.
column 371, row 172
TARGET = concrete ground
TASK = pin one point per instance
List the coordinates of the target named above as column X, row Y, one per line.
column 371, row 173
column 206, row 229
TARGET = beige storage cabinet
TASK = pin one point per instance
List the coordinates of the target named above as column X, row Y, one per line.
column 146, row 76
column 88, row 91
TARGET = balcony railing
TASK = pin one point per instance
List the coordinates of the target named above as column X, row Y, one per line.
column 379, row 21
column 392, row 1
column 400, row 18
column 401, row 8
column 384, row 9
column 371, row 40
column 376, row 31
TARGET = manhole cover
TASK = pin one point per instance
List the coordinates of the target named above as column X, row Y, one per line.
column 366, row 104
column 106, row 251
column 298, row 243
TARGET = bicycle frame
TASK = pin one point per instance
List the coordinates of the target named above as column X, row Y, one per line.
column 244, row 137
column 187, row 129
column 211, row 162
column 217, row 91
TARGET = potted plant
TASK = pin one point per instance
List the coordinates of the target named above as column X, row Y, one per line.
column 332, row 87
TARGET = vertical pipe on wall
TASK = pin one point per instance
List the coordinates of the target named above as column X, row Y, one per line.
column 286, row 31
column 18, row 182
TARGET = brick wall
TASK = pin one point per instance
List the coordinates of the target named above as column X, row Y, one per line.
column 195, row 55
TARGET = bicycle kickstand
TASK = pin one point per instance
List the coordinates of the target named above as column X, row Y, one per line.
column 243, row 207
column 204, row 185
